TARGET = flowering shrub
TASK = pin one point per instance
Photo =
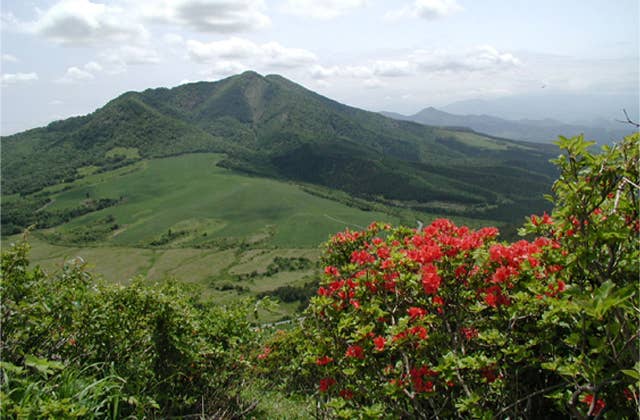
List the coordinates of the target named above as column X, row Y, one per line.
column 448, row 321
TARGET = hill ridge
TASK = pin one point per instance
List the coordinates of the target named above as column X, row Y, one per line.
column 270, row 126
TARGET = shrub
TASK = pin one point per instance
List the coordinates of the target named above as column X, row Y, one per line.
column 450, row 322
column 172, row 354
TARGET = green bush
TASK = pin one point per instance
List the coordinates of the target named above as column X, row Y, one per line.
column 449, row 322
column 171, row 354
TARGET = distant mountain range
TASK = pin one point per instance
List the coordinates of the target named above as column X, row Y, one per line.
column 539, row 131
column 272, row 127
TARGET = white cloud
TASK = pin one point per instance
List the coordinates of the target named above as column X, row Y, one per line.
column 379, row 68
column 270, row 54
column 224, row 68
column 278, row 56
column 9, row 58
column 229, row 48
column 56, row 102
column 82, row 22
column 393, row 68
column 93, row 66
column 13, row 78
column 131, row 55
column 426, row 9
column 483, row 58
column 75, row 74
column 322, row 9
column 321, row 72
column 221, row 16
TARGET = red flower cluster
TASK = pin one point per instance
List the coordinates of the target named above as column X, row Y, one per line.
column 418, row 331
column 494, row 297
column 347, row 394
column 379, row 343
column 355, row 351
column 265, row 353
column 324, row 360
column 326, row 383
column 597, row 407
column 545, row 220
column 469, row 332
column 415, row 312
column 430, row 279
column 362, row 257
column 419, row 379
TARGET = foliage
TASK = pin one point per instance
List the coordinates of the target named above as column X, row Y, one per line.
column 157, row 347
column 49, row 389
column 448, row 321
column 22, row 212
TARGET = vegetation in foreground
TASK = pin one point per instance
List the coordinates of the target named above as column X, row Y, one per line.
column 442, row 322
column 448, row 322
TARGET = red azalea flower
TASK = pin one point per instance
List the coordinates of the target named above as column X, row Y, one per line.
column 379, row 342
column 561, row 286
column 355, row 351
column 383, row 253
column 415, row 312
column 332, row 271
column 597, row 408
column 469, row 332
column 362, row 257
column 347, row 394
column 430, row 279
column 419, row 331
column 326, row 383
column 324, row 360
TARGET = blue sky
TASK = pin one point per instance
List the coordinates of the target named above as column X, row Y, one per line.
column 69, row 57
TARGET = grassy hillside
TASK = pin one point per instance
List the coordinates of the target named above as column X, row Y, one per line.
column 203, row 204
column 185, row 217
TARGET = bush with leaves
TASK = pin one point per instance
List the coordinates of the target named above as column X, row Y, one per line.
column 49, row 389
column 173, row 354
column 448, row 322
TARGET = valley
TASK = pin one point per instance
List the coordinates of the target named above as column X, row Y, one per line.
column 211, row 183
column 218, row 230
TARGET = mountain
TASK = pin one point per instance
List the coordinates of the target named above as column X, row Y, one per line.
column 269, row 126
column 583, row 109
column 541, row 131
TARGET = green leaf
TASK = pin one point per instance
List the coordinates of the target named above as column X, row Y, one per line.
column 44, row 366
column 632, row 373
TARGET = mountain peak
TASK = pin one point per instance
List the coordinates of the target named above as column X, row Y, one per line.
column 250, row 74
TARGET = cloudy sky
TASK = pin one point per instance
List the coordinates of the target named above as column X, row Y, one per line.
column 69, row 57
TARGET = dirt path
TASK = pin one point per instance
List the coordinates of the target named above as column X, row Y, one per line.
column 46, row 205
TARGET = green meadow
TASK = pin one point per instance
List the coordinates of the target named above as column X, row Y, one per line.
column 185, row 218
column 204, row 205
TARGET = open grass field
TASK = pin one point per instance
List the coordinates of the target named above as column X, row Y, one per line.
column 187, row 219
column 202, row 203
